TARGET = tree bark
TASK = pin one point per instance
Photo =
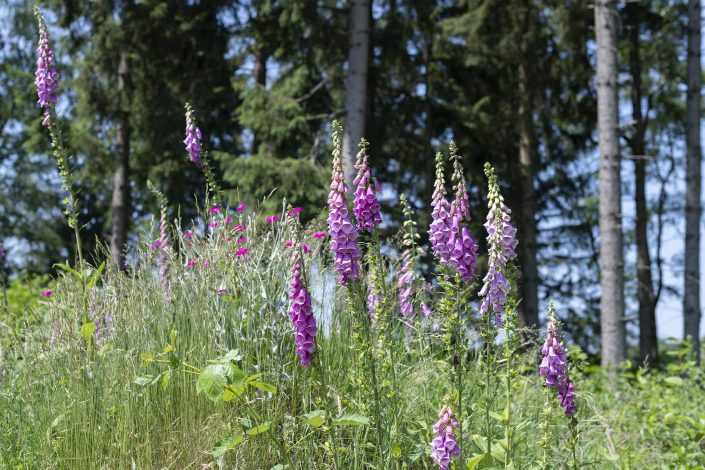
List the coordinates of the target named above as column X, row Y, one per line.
column 610, row 211
column 529, row 315
column 260, row 73
column 648, row 343
column 356, row 86
column 693, row 209
column 120, row 204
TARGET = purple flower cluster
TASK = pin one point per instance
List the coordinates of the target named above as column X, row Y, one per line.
column 444, row 446
column 366, row 206
column 342, row 232
column 502, row 242
column 554, row 367
column 193, row 138
column 163, row 255
column 405, row 285
column 462, row 247
column 46, row 78
column 372, row 302
column 439, row 232
column 301, row 313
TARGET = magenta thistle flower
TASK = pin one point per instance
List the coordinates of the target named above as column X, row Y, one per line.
column 554, row 366
column 301, row 312
column 241, row 252
column 342, row 231
column 46, row 78
column 241, row 207
column 289, row 244
column 271, row 219
column 319, row 235
column 191, row 263
column 502, row 242
column 462, row 247
column 366, row 207
column 215, row 209
column 444, row 446
column 193, row 137
column 440, row 229
column 47, row 293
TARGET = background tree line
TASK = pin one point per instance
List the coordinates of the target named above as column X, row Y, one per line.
column 516, row 83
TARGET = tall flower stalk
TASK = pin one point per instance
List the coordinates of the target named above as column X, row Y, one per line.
column 501, row 243
column 408, row 282
column 46, row 80
column 342, row 231
column 444, row 447
column 462, row 248
column 366, row 207
column 301, row 312
column 439, row 231
column 199, row 157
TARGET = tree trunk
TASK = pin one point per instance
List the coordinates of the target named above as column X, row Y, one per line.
column 120, row 204
column 610, row 212
column 356, row 86
column 691, row 297
column 529, row 315
column 648, row 343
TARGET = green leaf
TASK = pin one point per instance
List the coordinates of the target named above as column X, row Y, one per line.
column 475, row 461
column 165, row 379
column 315, row 418
column 96, row 275
column 87, row 331
column 68, row 269
column 264, row 386
column 231, row 356
column 226, row 444
column 673, row 381
column 253, row 377
column 259, row 429
column 495, row 415
column 352, row 419
column 212, row 381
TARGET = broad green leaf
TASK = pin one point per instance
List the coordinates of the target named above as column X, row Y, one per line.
column 315, row 418
column 253, row 377
column 68, row 269
column 259, row 429
column 231, row 356
column 87, row 331
column 475, row 461
column 224, row 445
column 264, row 386
column 212, row 381
column 673, row 381
column 352, row 419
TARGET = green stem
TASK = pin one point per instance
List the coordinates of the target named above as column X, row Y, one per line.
column 508, row 384
column 331, row 406
column 488, row 377
column 459, row 365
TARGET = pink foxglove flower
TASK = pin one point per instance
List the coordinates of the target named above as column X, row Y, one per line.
column 462, row 247
column 439, row 231
column 444, row 447
column 554, row 366
column 366, row 206
column 193, row 138
column 502, row 242
column 342, row 231
column 301, row 312
column 163, row 255
column 46, row 78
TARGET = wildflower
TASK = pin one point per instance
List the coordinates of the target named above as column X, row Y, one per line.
column 187, row 235
column 215, row 209
column 439, row 231
column 301, row 312
column 238, row 227
column 228, row 220
column 155, row 245
column 502, row 242
column 213, row 225
column 206, row 264
column 306, row 248
column 366, row 206
column 191, row 263
column 372, row 303
column 193, row 137
column 271, row 219
column 426, row 310
column 294, row 212
column 444, row 446
column 241, row 240
column 46, row 78
column 462, row 248
column 241, row 207
column 221, row 291
column 341, row 229
column 405, row 286
column 289, row 244
column 47, row 293
column 319, row 235
column 554, row 366
column 241, row 252
column 163, row 256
